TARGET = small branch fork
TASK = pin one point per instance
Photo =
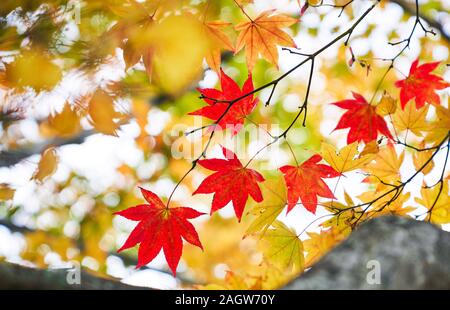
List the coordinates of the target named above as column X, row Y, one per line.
column 396, row 190
column 302, row 110
column 392, row 60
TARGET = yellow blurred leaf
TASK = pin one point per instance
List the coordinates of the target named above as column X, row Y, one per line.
column 34, row 69
column 6, row 192
column 102, row 113
column 63, row 124
column 47, row 165
column 179, row 48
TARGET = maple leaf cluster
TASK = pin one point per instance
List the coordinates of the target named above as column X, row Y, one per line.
column 161, row 227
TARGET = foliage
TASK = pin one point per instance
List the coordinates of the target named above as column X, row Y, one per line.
column 355, row 134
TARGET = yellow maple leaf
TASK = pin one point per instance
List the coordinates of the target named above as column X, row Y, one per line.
column 346, row 159
column 345, row 215
column 437, row 200
column 275, row 198
column 47, row 165
column 318, row 244
column 370, row 148
column 386, row 165
column 387, row 105
column 388, row 204
column 439, row 128
column 411, row 119
column 283, row 247
column 421, row 158
column 262, row 35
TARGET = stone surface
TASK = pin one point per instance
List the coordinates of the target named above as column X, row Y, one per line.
column 410, row 255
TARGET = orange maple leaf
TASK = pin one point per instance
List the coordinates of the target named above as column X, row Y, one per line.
column 219, row 40
column 262, row 35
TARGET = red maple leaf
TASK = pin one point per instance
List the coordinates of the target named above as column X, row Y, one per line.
column 219, row 101
column 160, row 227
column 421, row 85
column 232, row 182
column 305, row 182
column 362, row 119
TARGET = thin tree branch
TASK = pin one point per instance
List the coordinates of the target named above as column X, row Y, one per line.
column 127, row 259
column 410, row 9
column 20, row 277
column 12, row 157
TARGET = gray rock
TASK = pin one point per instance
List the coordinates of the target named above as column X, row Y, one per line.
column 408, row 254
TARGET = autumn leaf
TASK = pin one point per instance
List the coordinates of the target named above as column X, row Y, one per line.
column 266, row 212
column 283, row 247
column 179, row 47
column 135, row 48
column 230, row 183
column 346, row 159
column 262, row 35
column 64, row 124
column 159, row 228
column 318, row 244
column 387, row 105
column 386, row 205
column 437, row 201
column 440, row 127
column 420, row 158
column 421, row 85
column 6, row 192
column 410, row 118
column 370, row 148
column 219, row 41
column 345, row 216
column 305, row 182
column 216, row 108
column 102, row 113
column 47, row 165
column 362, row 119
column 34, row 69
column 386, row 165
